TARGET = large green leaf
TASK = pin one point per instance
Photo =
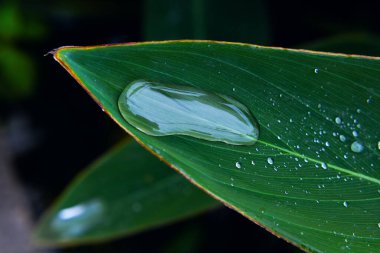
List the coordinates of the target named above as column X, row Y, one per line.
column 306, row 185
column 124, row 192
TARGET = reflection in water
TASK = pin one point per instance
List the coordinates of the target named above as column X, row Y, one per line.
column 166, row 109
column 78, row 219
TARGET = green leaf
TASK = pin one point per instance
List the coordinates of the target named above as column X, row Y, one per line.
column 124, row 192
column 301, row 180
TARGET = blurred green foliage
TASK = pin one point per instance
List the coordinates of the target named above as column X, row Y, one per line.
column 350, row 43
column 17, row 68
column 18, row 73
column 243, row 21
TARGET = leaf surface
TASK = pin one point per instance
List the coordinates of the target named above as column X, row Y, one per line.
column 301, row 180
column 124, row 192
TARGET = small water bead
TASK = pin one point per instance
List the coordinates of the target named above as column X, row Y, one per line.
column 338, row 120
column 167, row 109
column 270, row 160
column 253, row 163
column 238, row 165
column 324, row 166
column 136, row 207
column 355, row 133
column 345, row 204
column 342, row 138
column 378, row 224
column 316, row 71
column 357, row 147
column 88, row 213
column 378, row 145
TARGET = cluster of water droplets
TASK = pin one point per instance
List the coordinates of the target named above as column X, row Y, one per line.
column 326, row 140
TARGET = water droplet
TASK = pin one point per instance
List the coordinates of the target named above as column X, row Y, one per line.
column 378, row 224
column 253, row 163
column 355, row 134
column 378, row 145
column 87, row 214
column 165, row 109
column 324, row 166
column 338, row 120
column 342, row 138
column 270, row 160
column 238, row 165
column 345, row 204
column 327, row 144
column 136, row 207
column 357, row 147
column 316, row 71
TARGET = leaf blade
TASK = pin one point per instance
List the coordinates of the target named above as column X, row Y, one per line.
column 113, row 198
column 296, row 97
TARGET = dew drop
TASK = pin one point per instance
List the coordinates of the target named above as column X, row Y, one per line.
column 357, row 147
column 253, row 163
column 136, row 207
column 338, row 120
column 355, row 133
column 316, row 71
column 342, row 138
column 324, row 166
column 87, row 213
column 345, row 204
column 165, row 109
column 378, row 224
column 238, row 165
column 270, row 160
column 378, row 145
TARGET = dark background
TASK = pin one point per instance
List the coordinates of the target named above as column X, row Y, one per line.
column 52, row 129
